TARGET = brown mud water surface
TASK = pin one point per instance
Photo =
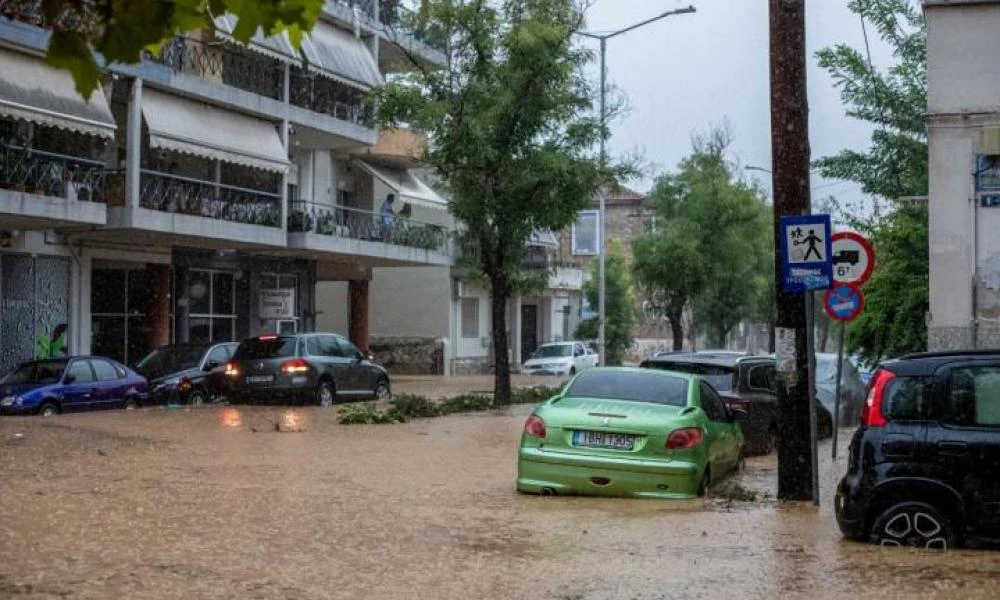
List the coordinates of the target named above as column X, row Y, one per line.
column 247, row 503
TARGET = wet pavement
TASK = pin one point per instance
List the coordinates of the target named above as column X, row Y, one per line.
column 227, row 502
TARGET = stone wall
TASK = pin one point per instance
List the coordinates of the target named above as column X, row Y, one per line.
column 408, row 355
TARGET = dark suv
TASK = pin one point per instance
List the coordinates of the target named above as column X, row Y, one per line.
column 924, row 466
column 303, row 368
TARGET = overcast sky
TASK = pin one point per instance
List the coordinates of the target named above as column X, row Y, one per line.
column 688, row 71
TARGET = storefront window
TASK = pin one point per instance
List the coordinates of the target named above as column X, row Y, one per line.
column 118, row 326
column 211, row 305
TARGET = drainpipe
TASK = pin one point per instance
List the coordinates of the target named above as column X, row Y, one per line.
column 133, row 146
column 974, row 304
column 286, row 97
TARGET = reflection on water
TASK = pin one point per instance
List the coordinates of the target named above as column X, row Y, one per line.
column 231, row 418
column 292, row 420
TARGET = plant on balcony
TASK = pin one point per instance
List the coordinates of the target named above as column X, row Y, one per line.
column 326, row 223
column 299, row 221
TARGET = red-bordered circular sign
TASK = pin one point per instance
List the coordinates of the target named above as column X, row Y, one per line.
column 853, row 257
column 844, row 302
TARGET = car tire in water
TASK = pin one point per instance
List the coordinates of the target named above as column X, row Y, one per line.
column 382, row 390
column 48, row 409
column 706, row 483
column 197, row 397
column 325, row 394
column 131, row 404
column 913, row 524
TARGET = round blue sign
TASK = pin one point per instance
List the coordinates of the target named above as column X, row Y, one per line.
column 844, row 302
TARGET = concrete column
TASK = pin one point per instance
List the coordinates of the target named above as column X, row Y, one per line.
column 158, row 303
column 133, row 146
column 358, row 307
column 286, row 97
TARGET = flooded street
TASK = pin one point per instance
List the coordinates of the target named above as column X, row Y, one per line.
column 225, row 502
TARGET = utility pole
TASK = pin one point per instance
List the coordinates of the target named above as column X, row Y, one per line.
column 790, row 184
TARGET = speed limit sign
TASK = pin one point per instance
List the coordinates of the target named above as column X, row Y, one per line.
column 853, row 257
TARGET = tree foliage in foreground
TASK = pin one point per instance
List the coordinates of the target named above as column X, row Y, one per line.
column 511, row 132
column 120, row 31
column 895, row 166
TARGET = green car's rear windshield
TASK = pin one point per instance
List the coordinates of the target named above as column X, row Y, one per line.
column 656, row 388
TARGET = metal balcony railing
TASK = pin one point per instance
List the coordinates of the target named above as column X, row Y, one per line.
column 225, row 63
column 365, row 7
column 183, row 195
column 354, row 223
column 51, row 174
column 324, row 95
column 400, row 16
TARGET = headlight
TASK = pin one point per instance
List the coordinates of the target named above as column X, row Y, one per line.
column 10, row 401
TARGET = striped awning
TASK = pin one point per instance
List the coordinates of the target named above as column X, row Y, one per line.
column 341, row 55
column 275, row 46
column 34, row 91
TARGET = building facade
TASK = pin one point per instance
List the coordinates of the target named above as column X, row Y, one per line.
column 203, row 193
column 963, row 130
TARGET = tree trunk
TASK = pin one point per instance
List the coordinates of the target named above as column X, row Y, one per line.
column 677, row 329
column 771, row 343
column 501, row 373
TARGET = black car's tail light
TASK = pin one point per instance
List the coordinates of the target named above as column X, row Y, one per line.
column 871, row 412
column 295, row 366
column 232, row 369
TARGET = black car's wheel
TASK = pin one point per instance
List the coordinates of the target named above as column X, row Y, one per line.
column 914, row 524
column 131, row 404
column 382, row 390
column 48, row 409
column 198, row 397
column 325, row 394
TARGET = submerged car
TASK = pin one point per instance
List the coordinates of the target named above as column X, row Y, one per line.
column 303, row 368
column 629, row 432
column 56, row 385
column 559, row 358
column 186, row 373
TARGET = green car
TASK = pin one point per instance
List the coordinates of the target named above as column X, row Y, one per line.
column 629, row 432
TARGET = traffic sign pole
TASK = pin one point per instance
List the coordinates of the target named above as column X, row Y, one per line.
column 836, row 397
column 813, row 435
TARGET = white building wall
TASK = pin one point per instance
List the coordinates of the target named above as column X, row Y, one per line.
column 332, row 305
column 410, row 301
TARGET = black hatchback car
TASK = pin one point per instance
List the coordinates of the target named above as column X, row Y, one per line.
column 186, row 373
column 924, row 466
column 303, row 368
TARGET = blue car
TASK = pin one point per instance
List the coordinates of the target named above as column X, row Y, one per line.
column 54, row 385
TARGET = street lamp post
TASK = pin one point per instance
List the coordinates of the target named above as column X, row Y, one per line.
column 602, row 194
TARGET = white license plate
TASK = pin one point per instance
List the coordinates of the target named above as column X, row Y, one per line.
column 260, row 378
column 601, row 439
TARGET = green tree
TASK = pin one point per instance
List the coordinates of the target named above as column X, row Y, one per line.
column 618, row 305
column 710, row 244
column 511, row 131
column 895, row 166
column 120, row 31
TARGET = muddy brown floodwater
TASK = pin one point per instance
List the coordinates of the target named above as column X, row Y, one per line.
column 225, row 502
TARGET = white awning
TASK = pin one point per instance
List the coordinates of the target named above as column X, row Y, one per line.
column 337, row 53
column 34, row 91
column 407, row 186
column 196, row 128
column 278, row 46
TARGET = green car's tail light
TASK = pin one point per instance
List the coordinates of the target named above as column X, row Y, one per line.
column 296, row 365
column 682, row 439
column 871, row 412
column 535, row 427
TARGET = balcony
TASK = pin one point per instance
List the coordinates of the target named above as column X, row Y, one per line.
column 356, row 232
column 313, row 91
column 407, row 37
column 225, row 63
column 182, row 195
column 40, row 189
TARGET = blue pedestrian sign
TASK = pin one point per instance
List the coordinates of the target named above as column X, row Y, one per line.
column 805, row 253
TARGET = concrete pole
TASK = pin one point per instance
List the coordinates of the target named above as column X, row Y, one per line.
column 133, row 147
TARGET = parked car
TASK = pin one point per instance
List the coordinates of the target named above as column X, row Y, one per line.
column 924, row 466
column 745, row 382
column 629, row 432
column 303, row 368
column 559, row 358
column 55, row 385
column 852, row 389
column 186, row 373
